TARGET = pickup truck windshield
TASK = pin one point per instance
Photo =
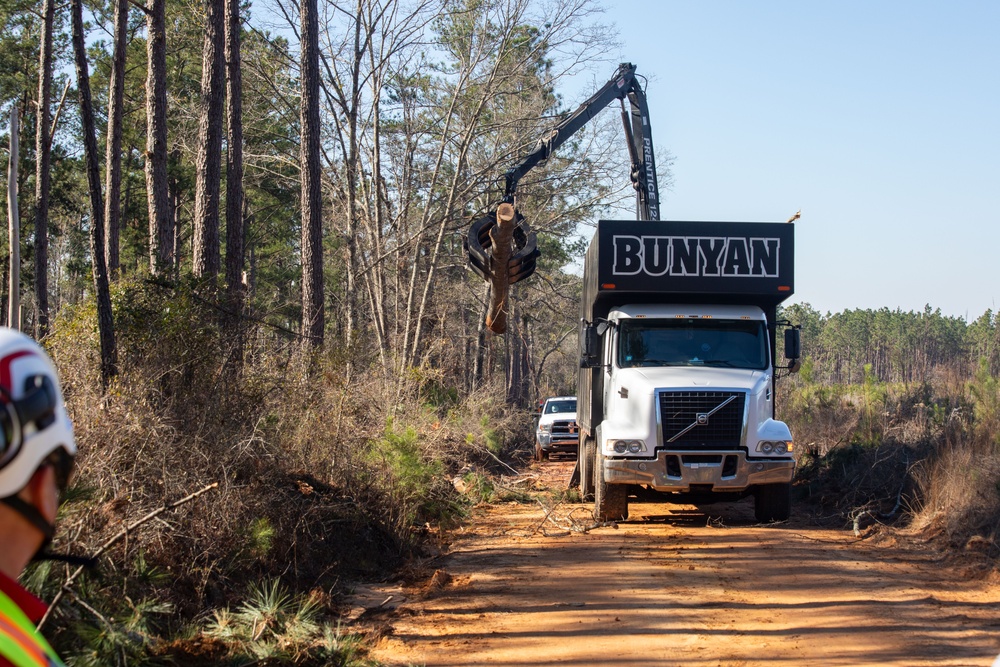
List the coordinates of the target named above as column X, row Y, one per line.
column 553, row 407
column 692, row 342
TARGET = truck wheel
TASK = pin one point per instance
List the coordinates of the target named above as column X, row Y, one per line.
column 773, row 502
column 586, row 452
column 610, row 500
column 540, row 454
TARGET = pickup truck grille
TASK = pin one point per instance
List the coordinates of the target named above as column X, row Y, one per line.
column 565, row 430
column 693, row 420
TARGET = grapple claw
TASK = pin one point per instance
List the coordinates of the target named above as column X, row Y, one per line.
column 503, row 250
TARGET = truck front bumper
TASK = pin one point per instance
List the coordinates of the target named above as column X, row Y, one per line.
column 726, row 471
column 558, row 443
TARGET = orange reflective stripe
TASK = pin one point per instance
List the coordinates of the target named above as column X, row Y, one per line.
column 30, row 649
column 20, row 642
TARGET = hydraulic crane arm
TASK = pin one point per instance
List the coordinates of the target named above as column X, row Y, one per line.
column 501, row 246
column 638, row 133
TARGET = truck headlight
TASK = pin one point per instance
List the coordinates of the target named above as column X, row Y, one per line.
column 632, row 446
column 779, row 447
column 545, row 428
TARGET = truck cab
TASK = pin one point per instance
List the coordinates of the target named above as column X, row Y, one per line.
column 677, row 371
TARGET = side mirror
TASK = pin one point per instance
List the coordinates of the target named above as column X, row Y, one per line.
column 590, row 352
column 793, row 349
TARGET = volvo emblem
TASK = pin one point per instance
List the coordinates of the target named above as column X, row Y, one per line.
column 702, row 418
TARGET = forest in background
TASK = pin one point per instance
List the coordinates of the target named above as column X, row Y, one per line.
column 241, row 240
column 418, row 108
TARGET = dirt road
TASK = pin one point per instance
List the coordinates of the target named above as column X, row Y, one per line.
column 679, row 585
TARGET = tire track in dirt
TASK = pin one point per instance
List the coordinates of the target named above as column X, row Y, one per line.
column 679, row 585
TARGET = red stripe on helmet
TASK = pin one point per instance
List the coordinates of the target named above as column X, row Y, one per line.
column 5, row 364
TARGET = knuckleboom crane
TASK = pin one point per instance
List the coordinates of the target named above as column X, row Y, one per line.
column 501, row 246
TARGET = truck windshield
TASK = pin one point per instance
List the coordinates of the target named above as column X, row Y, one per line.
column 553, row 407
column 692, row 342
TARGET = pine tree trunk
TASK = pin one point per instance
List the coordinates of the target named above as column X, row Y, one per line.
column 14, row 224
column 519, row 377
column 161, row 228
column 105, row 322
column 482, row 340
column 113, row 157
column 312, row 199
column 43, row 146
column 209, row 162
column 352, row 112
column 235, row 228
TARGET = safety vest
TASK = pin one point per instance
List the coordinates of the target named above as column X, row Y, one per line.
column 20, row 642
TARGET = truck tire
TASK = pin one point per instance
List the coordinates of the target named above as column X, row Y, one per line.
column 586, row 455
column 773, row 502
column 540, row 454
column 610, row 500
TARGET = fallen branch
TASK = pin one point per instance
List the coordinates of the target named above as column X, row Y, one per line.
column 495, row 458
column 523, row 480
column 111, row 542
column 899, row 494
column 545, row 518
column 568, row 524
column 857, row 521
column 861, row 512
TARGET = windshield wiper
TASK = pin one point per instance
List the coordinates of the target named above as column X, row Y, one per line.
column 662, row 362
column 721, row 362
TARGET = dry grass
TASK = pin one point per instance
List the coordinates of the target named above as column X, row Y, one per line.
column 924, row 454
column 960, row 485
column 322, row 478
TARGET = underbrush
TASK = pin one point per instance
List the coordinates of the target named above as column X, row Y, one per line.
column 926, row 454
column 321, row 479
column 960, row 485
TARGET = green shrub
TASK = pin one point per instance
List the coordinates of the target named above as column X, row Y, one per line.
column 985, row 393
column 415, row 479
column 275, row 625
column 479, row 488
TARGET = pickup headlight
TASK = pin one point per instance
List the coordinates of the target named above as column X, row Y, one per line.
column 545, row 428
column 631, row 446
column 779, row 447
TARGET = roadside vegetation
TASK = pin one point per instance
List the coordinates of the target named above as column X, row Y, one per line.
column 326, row 479
column 896, row 417
column 323, row 480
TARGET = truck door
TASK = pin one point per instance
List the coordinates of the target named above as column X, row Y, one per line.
column 608, row 357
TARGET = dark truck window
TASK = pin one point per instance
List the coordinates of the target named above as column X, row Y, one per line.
column 561, row 406
column 692, row 342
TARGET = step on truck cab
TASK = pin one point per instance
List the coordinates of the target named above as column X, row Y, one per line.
column 678, row 346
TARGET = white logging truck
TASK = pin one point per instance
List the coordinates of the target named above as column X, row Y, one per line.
column 676, row 386
column 677, row 340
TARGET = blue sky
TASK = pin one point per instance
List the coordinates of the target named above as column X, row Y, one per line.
column 880, row 120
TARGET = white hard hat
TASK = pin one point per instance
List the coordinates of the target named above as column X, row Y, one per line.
column 33, row 419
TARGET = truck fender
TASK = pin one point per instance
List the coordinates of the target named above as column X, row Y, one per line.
column 772, row 429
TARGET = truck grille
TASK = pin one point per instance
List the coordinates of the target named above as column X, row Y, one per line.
column 565, row 430
column 688, row 416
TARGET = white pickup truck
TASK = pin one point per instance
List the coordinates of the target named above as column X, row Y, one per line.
column 557, row 430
